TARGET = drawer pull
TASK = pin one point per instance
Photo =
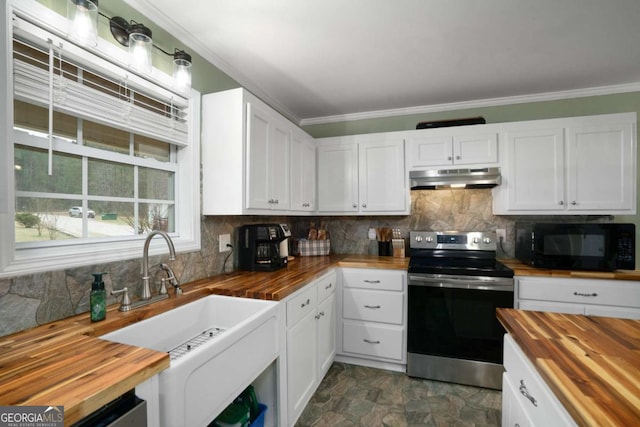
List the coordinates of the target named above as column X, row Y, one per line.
column 304, row 304
column 373, row 307
column 329, row 286
column 372, row 281
column 582, row 294
column 371, row 342
column 525, row 393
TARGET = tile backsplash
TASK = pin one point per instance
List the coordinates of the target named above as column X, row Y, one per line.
column 32, row 300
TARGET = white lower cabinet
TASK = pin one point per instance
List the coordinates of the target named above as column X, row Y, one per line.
column 526, row 399
column 372, row 323
column 592, row 297
column 310, row 341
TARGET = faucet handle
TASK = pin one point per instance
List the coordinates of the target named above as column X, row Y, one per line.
column 163, row 287
column 126, row 302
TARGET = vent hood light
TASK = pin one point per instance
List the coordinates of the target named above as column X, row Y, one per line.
column 455, row 178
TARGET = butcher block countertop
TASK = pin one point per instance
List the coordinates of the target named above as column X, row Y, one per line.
column 592, row 364
column 63, row 363
column 521, row 269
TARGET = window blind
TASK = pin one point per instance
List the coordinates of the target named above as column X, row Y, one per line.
column 94, row 95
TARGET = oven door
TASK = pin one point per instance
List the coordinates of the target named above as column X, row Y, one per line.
column 455, row 316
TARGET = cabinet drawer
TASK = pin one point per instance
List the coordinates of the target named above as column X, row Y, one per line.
column 369, row 340
column 302, row 304
column 374, row 306
column 326, row 285
column 583, row 291
column 370, row 278
column 547, row 409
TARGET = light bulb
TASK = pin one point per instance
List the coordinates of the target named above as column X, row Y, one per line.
column 83, row 18
column 140, row 52
column 182, row 74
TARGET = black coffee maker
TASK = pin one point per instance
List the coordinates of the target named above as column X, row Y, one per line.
column 259, row 247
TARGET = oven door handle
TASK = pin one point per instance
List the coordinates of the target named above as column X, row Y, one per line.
column 457, row 282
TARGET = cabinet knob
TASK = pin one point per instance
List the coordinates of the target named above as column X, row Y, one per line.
column 354, row 206
column 449, row 158
column 458, row 157
column 574, row 203
column 275, row 201
column 561, row 202
column 364, row 205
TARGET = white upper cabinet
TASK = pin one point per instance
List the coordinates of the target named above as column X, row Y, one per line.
column 449, row 147
column 362, row 174
column 303, row 172
column 573, row 166
column 337, row 176
column 267, row 159
column 246, row 157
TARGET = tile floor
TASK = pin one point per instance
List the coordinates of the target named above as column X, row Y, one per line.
column 353, row 395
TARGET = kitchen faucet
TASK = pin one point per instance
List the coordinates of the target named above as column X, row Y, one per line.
column 146, row 290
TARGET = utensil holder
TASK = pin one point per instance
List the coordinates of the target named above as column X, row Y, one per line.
column 384, row 249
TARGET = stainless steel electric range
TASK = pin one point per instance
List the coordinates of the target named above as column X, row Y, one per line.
column 455, row 286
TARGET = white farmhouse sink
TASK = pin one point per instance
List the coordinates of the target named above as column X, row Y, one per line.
column 206, row 372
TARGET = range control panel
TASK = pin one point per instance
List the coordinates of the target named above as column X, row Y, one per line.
column 460, row 240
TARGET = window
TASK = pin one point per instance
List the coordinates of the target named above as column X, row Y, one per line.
column 99, row 156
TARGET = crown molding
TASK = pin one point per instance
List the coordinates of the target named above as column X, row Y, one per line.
column 489, row 102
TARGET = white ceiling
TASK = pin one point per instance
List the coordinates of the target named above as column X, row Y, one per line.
column 324, row 60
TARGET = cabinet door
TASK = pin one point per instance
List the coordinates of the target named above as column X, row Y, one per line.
column 430, row 151
column 303, row 172
column 475, row 149
column 536, row 170
column 326, row 335
column 302, row 363
column 600, row 168
column 338, row 178
column 382, row 178
column 278, row 172
column 258, row 134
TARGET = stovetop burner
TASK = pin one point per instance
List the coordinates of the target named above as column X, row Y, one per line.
column 455, row 253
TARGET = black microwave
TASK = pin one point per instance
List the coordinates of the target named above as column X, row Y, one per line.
column 598, row 247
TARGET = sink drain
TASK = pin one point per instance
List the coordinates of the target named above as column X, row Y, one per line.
column 195, row 342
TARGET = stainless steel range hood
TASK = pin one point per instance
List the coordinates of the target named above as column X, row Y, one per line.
column 454, row 178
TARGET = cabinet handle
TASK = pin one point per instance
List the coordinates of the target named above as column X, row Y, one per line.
column 304, row 304
column 321, row 314
column 371, row 281
column 275, row 201
column 582, row 294
column 329, row 286
column 355, row 206
column 371, row 342
column 373, row 307
column 317, row 316
column 525, row 393
column 574, row 203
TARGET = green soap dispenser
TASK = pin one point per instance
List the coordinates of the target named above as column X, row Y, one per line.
column 98, row 298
